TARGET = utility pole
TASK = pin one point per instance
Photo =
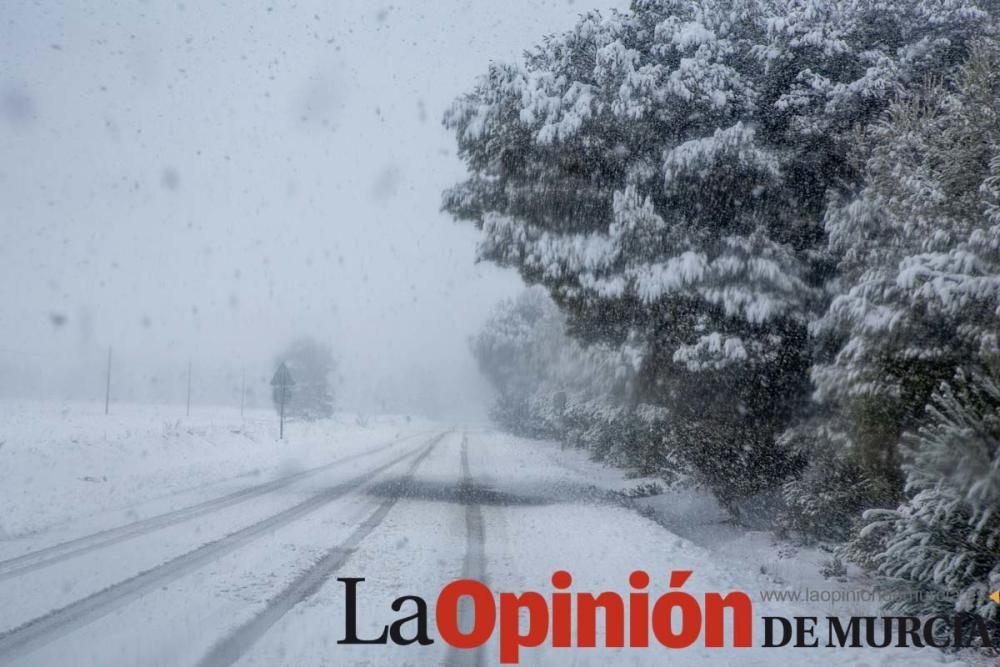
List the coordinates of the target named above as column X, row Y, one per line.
column 188, row 413
column 107, row 385
column 243, row 393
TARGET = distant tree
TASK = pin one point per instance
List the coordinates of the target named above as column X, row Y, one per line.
column 549, row 385
column 664, row 173
column 518, row 344
column 523, row 351
column 312, row 368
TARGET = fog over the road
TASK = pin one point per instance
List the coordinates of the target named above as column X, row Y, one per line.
column 207, row 181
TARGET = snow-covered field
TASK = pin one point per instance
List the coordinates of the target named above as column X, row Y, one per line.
column 147, row 538
column 60, row 462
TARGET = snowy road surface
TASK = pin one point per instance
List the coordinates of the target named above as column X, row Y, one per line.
column 244, row 571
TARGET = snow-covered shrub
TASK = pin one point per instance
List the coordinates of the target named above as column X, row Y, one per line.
column 644, row 490
column 940, row 550
column 638, row 437
column 826, row 500
column 664, row 172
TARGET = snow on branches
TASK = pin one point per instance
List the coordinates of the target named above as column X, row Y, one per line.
column 664, row 173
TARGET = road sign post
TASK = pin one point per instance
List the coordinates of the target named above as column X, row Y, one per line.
column 282, row 382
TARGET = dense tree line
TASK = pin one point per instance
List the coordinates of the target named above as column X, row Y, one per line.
column 784, row 215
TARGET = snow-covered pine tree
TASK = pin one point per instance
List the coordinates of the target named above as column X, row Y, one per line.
column 919, row 267
column 664, row 172
column 939, row 552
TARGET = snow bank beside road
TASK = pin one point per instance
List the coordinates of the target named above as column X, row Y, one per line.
column 690, row 531
column 60, row 462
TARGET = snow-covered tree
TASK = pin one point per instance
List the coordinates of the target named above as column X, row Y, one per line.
column 312, row 368
column 919, row 261
column 549, row 385
column 664, row 172
column 537, row 370
column 517, row 349
column 940, row 550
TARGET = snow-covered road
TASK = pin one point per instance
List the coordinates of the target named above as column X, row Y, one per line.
column 246, row 571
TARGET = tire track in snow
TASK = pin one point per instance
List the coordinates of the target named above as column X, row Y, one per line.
column 42, row 630
column 57, row 553
column 474, row 565
column 234, row 646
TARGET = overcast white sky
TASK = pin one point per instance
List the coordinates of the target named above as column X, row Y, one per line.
column 207, row 180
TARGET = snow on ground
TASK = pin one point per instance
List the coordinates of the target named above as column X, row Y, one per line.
column 687, row 530
column 418, row 549
column 179, row 622
column 63, row 461
column 695, row 515
column 70, row 471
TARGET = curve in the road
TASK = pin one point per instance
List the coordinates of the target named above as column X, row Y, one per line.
column 35, row 560
column 230, row 649
column 40, row 631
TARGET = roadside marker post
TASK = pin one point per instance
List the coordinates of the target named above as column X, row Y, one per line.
column 282, row 382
